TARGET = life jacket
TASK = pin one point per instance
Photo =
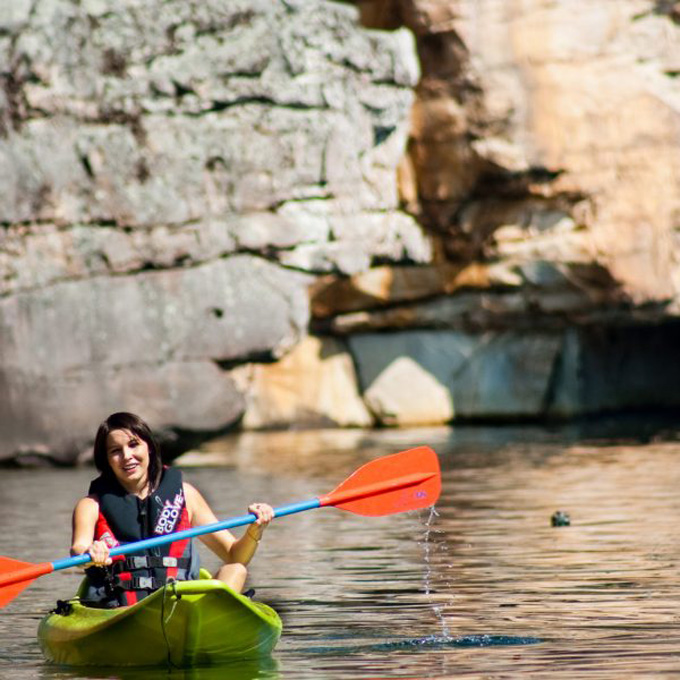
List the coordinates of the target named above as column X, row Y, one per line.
column 125, row 518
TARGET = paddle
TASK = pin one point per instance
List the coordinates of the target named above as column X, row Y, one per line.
column 402, row 481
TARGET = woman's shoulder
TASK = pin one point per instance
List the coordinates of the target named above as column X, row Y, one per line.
column 190, row 491
column 194, row 500
column 87, row 505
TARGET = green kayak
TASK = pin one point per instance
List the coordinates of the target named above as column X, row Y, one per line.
column 190, row 623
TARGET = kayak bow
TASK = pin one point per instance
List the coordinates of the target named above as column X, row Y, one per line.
column 186, row 624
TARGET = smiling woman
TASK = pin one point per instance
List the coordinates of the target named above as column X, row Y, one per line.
column 136, row 497
column 128, row 458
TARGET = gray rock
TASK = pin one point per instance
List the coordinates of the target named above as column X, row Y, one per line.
column 77, row 346
column 14, row 15
column 159, row 162
column 355, row 240
column 422, row 377
column 55, row 416
column 157, row 102
column 425, row 377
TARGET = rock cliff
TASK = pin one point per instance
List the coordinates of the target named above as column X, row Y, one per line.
column 543, row 159
column 471, row 205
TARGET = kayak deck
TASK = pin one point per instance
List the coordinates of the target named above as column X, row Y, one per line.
column 188, row 623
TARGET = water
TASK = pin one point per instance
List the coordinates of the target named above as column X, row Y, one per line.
column 484, row 587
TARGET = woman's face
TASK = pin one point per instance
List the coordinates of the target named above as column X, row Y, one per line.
column 128, row 456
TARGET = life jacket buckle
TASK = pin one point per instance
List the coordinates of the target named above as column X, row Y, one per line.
column 145, row 583
column 137, row 562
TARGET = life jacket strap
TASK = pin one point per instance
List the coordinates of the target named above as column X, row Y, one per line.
column 150, row 562
column 140, row 583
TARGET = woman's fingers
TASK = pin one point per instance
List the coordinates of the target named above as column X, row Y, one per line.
column 99, row 553
column 263, row 512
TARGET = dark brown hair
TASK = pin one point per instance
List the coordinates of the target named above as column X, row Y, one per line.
column 133, row 423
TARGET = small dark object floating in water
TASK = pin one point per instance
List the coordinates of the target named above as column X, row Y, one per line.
column 560, row 519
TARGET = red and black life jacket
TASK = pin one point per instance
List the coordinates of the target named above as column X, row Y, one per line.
column 125, row 518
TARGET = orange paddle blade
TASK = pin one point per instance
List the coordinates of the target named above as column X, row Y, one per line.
column 16, row 575
column 403, row 481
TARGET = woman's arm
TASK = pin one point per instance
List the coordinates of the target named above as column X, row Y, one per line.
column 82, row 536
column 83, row 525
column 223, row 543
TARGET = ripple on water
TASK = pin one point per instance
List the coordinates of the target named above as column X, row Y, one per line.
column 425, row 643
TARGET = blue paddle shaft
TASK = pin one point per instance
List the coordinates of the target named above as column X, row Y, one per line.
column 154, row 542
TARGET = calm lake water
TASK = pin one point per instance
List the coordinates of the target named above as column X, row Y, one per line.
column 482, row 587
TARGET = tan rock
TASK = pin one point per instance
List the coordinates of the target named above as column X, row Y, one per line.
column 407, row 184
column 437, row 119
column 314, row 385
column 429, row 16
column 446, row 165
column 386, row 285
column 406, row 394
column 584, row 89
column 586, row 93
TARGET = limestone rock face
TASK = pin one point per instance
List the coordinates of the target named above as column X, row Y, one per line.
column 532, row 115
column 173, row 174
column 475, row 205
column 285, row 114
column 588, row 91
column 544, row 159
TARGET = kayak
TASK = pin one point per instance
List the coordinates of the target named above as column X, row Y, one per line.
column 184, row 624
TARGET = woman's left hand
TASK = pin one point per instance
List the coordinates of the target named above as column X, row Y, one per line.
column 264, row 514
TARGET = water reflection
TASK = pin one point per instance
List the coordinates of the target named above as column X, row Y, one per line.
column 265, row 669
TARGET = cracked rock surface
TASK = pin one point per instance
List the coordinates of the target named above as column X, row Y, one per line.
column 173, row 177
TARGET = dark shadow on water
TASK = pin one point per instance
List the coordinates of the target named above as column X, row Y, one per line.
column 428, row 643
column 634, row 427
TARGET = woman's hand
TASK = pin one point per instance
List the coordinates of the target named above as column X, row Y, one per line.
column 264, row 514
column 99, row 552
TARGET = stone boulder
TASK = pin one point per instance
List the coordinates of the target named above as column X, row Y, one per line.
column 158, row 342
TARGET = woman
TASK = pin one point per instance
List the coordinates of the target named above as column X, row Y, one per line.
column 135, row 497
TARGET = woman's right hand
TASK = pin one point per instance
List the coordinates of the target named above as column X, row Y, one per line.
column 99, row 552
